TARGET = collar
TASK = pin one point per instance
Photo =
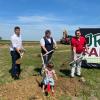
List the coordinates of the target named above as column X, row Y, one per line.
column 17, row 35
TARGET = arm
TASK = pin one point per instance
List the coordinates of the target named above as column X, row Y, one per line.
column 73, row 50
column 18, row 50
column 42, row 43
column 74, row 53
column 44, row 49
column 55, row 44
column 55, row 75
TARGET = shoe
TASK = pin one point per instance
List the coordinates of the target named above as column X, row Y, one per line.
column 71, row 76
column 79, row 75
column 16, row 78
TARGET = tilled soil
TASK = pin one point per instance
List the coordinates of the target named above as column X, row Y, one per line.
column 28, row 89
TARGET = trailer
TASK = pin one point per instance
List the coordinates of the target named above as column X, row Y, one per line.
column 92, row 35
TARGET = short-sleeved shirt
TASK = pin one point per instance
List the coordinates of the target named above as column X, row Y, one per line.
column 49, row 73
column 42, row 41
column 16, row 42
column 78, row 43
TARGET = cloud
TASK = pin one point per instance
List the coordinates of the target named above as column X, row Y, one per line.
column 38, row 19
column 33, row 27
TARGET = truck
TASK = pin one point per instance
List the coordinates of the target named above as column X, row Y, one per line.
column 66, row 39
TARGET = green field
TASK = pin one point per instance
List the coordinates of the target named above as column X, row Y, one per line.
column 31, row 64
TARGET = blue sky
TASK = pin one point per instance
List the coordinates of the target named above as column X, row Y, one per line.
column 35, row 16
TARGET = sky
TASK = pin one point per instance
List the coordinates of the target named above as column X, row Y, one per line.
column 35, row 16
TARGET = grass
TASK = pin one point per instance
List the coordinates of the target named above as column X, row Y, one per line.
column 31, row 63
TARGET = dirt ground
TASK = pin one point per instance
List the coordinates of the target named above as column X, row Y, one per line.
column 28, row 89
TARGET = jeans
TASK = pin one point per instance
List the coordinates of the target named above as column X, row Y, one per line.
column 15, row 67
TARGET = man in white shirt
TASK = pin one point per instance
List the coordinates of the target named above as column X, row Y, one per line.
column 47, row 44
column 15, row 49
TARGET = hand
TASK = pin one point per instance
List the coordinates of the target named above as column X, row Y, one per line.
column 46, row 51
column 75, row 58
column 23, row 50
column 56, row 47
column 18, row 50
column 87, row 51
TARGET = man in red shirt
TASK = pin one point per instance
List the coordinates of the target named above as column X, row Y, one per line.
column 77, row 43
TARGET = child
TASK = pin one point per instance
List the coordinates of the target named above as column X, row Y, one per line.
column 49, row 75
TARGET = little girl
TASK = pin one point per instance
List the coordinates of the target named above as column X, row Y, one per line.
column 49, row 77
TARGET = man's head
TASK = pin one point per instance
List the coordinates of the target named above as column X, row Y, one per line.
column 17, row 30
column 47, row 33
column 77, row 33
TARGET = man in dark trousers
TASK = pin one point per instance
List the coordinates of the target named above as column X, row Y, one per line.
column 15, row 49
column 47, row 44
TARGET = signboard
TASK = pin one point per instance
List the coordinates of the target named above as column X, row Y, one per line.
column 92, row 36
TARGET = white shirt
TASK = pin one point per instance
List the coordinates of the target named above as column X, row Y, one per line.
column 42, row 41
column 16, row 42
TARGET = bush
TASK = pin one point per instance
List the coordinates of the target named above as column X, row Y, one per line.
column 0, row 38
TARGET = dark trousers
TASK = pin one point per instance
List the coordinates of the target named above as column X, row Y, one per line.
column 47, row 58
column 15, row 67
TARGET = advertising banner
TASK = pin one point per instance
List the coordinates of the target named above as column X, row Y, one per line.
column 92, row 36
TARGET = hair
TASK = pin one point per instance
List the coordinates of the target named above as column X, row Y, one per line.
column 50, row 65
column 17, row 27
column 76, row 31
column 47, row 32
